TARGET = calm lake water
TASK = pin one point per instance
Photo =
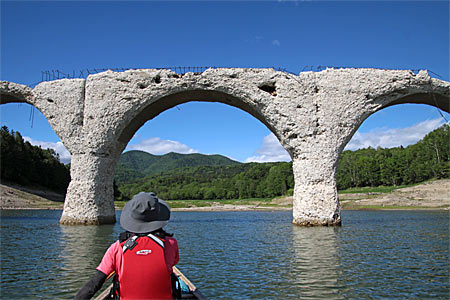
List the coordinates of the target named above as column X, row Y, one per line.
column 245, row 255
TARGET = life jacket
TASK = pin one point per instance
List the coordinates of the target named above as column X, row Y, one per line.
column 145, row 274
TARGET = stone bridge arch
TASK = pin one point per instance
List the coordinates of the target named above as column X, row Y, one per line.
column 313, row 115
column 430, row 91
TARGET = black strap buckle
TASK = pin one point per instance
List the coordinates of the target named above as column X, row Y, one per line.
column 130, row 244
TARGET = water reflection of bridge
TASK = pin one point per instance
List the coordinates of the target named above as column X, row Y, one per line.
column 82, row 250
column 317, row 266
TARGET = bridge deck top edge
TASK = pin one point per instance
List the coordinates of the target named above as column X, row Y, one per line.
column 51, row 75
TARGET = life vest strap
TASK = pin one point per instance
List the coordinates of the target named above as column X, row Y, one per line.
column 131, row 242
column 157, row 240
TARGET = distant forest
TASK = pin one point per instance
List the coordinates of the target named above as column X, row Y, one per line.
column 250, row 180
column 195, row 176
column 28, row 165
column 428, row 158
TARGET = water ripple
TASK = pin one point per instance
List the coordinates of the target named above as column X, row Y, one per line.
column 245, row 255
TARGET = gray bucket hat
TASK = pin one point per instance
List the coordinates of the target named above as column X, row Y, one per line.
column 144, row 213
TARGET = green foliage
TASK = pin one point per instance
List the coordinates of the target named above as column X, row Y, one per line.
column 22, row 163
column 428, row 158
column 238, row 181
column 138, row 164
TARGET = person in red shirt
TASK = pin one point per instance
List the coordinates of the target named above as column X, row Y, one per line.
column 143, row 256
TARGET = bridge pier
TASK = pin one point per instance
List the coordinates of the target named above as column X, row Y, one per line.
column 90, row 195
column 315, row 194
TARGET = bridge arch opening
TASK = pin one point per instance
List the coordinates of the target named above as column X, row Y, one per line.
column 238, row 112
column 154, row 108
column 402, row 143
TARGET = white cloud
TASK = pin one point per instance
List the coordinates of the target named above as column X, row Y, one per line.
column 276, row 43
column 158, row 146
column 270, row 151
column 389, row 138
column 64, row 154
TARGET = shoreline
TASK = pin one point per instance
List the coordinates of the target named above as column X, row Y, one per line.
column 243, row 208
column 432, row 195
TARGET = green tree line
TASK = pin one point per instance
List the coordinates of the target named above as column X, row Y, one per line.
column 25, row 164
column 428, row 158
column 22, row 163
column 252, row 180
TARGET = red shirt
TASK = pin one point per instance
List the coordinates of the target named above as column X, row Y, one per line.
column 113, row 258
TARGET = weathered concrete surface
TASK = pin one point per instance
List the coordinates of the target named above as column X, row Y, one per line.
column 313, row 115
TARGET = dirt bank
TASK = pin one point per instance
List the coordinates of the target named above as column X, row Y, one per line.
column 429, row 195
column 18, row 197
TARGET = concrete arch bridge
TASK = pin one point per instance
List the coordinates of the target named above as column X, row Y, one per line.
column 313, row 115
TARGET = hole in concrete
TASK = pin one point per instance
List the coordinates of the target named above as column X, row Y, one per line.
column 142, row 85
column 268, row 87
column 50, row 100
column 157, row 79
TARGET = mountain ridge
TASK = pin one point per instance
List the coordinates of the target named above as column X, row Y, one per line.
column 135, row 164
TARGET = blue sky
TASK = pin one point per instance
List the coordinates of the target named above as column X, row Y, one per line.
column 70, row 36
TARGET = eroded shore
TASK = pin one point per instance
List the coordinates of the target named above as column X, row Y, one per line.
column 430, row 195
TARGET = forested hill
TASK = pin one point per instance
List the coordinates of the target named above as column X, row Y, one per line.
column 427, row 159
column 138, row 164
column 28, row 165
column 249, row 180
